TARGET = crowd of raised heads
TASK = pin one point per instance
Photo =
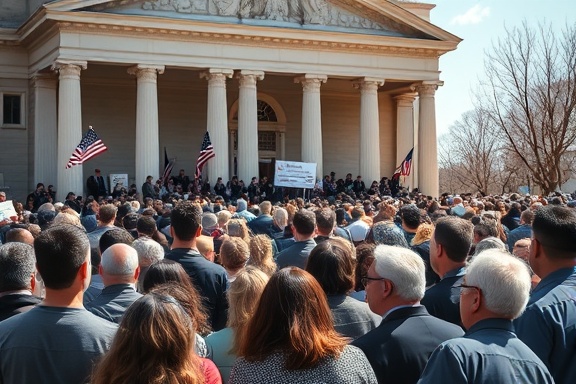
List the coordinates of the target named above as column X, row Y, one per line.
column 347, row 286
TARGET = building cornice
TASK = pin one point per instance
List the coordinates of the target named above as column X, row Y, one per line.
column 159, row 28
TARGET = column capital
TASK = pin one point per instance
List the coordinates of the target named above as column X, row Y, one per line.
column 249, row 78
column 427, row 88
column 311, row 82
column 69, row 69
column 211, row 73
column 369, row 84
column 146, row 72
column 405, row 100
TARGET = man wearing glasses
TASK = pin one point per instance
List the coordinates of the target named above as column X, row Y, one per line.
column 400, row 346
column 494, row 292
column 549, row 324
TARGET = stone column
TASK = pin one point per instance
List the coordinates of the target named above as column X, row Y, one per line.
column 69, row 126
column 46, row 163
column 217, row 122
column 428, row 182
column 312, row 120
column 248, row 125
column 405, row 133
column 147, row 141
column 231, row 140
column 369, row 129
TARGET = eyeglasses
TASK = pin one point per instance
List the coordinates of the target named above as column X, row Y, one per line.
column 456, row 291
column 364, row 280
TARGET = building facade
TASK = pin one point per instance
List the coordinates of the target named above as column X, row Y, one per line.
column 346, row 84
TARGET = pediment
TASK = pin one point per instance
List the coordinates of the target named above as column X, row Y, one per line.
column 348, row 16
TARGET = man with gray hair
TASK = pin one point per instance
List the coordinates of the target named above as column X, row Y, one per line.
column 149, row 252
column 17, row 279
column 119, row 270
column 494, row 292
column 400, row 346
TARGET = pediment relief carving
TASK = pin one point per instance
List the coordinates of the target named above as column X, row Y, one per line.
column 306, row 14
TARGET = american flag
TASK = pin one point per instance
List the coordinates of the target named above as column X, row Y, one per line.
column 206, row 153
column 89, row 147
column 407, row 164
column 168, row 165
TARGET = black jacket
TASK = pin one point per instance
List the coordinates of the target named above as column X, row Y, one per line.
column 14, row 304
column 210, row 280
column 400, row 346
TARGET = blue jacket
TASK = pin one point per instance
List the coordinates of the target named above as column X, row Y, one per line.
column 488, row 353
column 113, row 302
column 548, row 325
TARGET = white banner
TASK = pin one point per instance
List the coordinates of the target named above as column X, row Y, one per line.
column 116, row 178
column 294, row 174
column 7, row 210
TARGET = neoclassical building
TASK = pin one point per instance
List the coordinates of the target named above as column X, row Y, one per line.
column 346, row 84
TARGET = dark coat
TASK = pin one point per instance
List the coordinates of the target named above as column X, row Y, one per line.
column 210, row 280
column 400, row 346
column 11, row 305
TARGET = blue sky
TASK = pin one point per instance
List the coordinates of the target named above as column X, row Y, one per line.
column 480, row 23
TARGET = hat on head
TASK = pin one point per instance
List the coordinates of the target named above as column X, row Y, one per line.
column 2, row 193
column 209, row 221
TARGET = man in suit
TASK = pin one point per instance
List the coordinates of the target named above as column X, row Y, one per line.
column 17, row 279
column 449, row 247
column 209, row 278
column 96, row 185
column 400, row 346
column 304, row 229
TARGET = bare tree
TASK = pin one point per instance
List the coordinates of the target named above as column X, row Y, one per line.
column 531, row 97
column 471, row 151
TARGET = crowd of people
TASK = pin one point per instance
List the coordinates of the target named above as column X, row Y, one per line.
column 252, row 285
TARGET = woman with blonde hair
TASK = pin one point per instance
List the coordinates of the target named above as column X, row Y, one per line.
column 261, row 254
column 238, row 228
column 155, row 344
column 234, row 254
column 291, row 338
column 243, row 296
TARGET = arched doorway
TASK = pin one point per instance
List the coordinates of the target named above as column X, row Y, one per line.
column 271, row 132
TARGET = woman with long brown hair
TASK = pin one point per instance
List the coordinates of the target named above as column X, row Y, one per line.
column 155, row 344
column 332, row 264
column 291, row 338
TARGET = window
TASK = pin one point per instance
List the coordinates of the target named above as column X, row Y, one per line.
column 265, row 112
column 12, row 109
column 12, row 113
column 266, row 141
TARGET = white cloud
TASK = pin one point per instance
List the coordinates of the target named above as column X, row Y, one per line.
column 474, row 15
